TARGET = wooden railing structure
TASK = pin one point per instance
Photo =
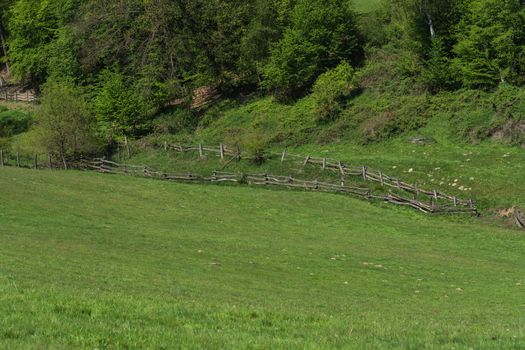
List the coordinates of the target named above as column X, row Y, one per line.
column 520, row 218
column 344, row 170
column 18, row 96
column 109, row 167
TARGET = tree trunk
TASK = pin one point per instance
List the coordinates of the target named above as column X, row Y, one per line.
column 4, row 48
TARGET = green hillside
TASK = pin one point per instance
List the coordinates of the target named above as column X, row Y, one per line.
column 111, row 262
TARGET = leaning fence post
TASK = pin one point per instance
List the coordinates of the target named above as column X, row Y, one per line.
column 222, row 151
column 324, row 163
column 1, row 158
column 341, row 168
column 283, row 156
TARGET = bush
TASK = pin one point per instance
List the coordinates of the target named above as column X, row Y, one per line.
column 331, row 89
column 14, row 122
column 64, row 124
column 322, row 34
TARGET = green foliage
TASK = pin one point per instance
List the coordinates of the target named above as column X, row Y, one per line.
column 174, row 122
column 491, row 44
column 64, row 124
column 322, row 34
column 332, row 88
column 120, row 108
column 40, row 43
column 13, row 122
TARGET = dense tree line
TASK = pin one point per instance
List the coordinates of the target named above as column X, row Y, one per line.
column 130, row 58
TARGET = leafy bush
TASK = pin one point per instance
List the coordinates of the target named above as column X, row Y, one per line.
column 322, row 34
column 64, row 124
column 14, row 122
column 331, row 89
column 119, row 108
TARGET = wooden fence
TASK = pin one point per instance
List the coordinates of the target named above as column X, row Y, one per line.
column 18, row 96
column 110, row 167
column 329, row 164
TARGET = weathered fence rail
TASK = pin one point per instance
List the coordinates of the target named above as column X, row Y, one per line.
column 344, row 170
column 520, row 218
column 109, row 167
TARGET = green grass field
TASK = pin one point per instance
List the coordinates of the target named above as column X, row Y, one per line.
column 109, row 262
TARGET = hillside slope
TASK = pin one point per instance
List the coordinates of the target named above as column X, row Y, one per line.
column 98, row 261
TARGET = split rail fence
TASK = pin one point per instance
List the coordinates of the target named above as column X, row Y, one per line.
column 18, row 96
column 344, row 170
column 109, row 167
column 520, row 218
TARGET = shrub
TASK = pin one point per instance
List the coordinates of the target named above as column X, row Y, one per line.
column 64, row 124
column 14, row 122
column 322, row 34
column 331, row 89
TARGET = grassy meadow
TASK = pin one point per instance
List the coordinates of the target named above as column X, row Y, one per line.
column 91, row 261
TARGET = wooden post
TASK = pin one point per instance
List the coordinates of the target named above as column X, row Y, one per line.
column 64, row 160
column 17, row 159
column 214, row 175
column 127, row 146
column 49, row 161
column 222, row 151
column 381, row 178
column 316, row 184
column 16, row 96
column 342, row 184
column 398, row 183
column 266, row 180
column 341, row 169
column 27, row 95
column 364, row 172
column 306, row 161
column 435, row 195
column 455, row 201
column 324, row 163
column 35, row 161
column 471, row 203
column 283, row 156
column 165, row 145
column 1, row 158
column 417, row 189
column 145, row 171
column 201, row 150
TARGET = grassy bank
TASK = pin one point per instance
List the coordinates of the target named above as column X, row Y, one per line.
column 95, row 261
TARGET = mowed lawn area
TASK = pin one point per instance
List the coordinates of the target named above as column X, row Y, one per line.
column 110, row 262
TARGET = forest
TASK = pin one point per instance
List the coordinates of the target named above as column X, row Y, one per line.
column 119, row 67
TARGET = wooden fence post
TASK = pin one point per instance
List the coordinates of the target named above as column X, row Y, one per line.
column 266, row 180
column 222, row 151
column 341, row 168
column 316, row 184
column 17, row 160
column 364, row 172
column 455, row 201
column 201, row 150
column 381, row 178
column 165, row 145
column 306, row 161
column 1, row 158
column 342, row 184
column 49, row 161
column 283, row 156
column 127, row 146
column 398, row 183
column 324, row 163
column 16, row 96
column 35, row 161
